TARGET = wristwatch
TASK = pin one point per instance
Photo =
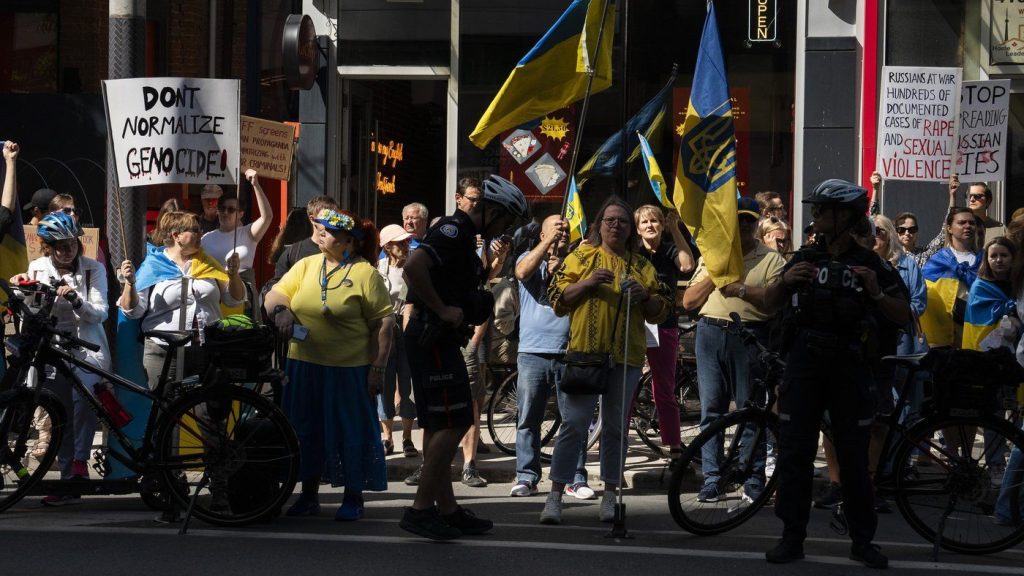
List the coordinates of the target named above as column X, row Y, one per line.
column 277, row 310
column 742, row 292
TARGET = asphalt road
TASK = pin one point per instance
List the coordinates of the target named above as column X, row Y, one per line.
column 117, row 535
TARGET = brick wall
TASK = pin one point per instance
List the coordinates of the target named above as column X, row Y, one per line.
column 83, row 45
column 187, row 40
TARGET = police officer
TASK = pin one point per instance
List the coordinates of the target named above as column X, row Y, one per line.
column 444, row 276
column 839, row 297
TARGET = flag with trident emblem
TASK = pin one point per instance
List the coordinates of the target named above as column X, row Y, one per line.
column 705, row 188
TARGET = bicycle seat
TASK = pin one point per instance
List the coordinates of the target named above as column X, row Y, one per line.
column 908, row 360
column 686, row 326
column 171, row 337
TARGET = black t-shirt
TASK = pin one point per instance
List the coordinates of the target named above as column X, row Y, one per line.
column 665, row 260
column 836, row 302
column 6, row 219
column 457, row 271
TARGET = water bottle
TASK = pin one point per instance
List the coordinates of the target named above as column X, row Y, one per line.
column 118, row 415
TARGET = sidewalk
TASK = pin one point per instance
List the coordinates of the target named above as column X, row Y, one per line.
column 643, row 468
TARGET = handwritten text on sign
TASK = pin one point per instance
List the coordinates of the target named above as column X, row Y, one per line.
column 267, row 147
column 916, row 125
column 984, row 116
column 173, row 130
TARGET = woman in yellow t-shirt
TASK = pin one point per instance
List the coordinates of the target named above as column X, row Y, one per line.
column 587, row 287
column 336, row 310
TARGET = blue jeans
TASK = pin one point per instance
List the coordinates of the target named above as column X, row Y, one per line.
column 537, row 374
column 1016, row 462
column 726, row 369
column 578, row 411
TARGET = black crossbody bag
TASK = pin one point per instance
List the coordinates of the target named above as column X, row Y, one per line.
column 587, row 372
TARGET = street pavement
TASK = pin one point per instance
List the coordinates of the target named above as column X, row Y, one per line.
column 118, row 535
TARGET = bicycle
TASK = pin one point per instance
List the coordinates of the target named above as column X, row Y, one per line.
column 947, row 502
column 503, row 414
column 221, row 452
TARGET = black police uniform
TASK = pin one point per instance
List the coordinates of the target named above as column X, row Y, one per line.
column 439, row 378
column 832, row 329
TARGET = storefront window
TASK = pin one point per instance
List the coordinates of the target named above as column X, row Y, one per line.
column 394, row 32
column 28, row 57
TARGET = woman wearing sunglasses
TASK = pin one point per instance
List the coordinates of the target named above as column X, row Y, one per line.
column 906, row 231
column 224, row 241
column 335, row 309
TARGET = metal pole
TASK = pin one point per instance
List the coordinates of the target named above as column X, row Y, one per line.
column 624, row 141
column 583, row 111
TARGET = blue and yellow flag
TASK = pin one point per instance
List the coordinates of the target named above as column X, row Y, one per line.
column 648, row 120
column 13, row 254
column 987, row 304
column 574, row 213
column 554, row 73
column 946, row 280
column 654, row 173
column 705, row 188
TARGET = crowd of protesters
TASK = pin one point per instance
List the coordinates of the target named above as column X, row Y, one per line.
column 401, row 320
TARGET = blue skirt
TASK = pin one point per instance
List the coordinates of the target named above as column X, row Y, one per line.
column 336, row 422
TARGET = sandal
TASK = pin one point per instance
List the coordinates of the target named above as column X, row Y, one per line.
column 389, row 447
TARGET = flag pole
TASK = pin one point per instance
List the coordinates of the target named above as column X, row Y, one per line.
column 624, row 141
column 583, row 111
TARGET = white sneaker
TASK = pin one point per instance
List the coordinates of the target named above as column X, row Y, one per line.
column 607, row 513
column 580, row 491
column 769, row 466
column 523, row 488
column 552, row 513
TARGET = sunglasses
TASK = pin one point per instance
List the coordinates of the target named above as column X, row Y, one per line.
column 906, row 230
column 227, row 209
column 879, row 233
column 611, row 222
column 975, row 196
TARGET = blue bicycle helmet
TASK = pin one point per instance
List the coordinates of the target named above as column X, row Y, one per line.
column 57, row 226
column 837, row 191
column 507, row 195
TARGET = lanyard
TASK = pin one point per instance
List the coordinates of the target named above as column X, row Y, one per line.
column 325, row 276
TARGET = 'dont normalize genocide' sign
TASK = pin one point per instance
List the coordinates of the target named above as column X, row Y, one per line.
column 173, row 130
column 916, row 122
column 984, row 117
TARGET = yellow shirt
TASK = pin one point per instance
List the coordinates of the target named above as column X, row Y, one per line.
column 341, row 337
column 590, row 320
column 762, row 267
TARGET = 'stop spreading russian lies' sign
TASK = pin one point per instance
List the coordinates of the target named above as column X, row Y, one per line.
column 984, row 117
column 916, row 123
column 173, row 130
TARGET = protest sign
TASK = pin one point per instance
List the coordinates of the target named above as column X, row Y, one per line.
column 173, row 130
column 267, row 147
column 917, row 122
column 984, row 116
column 90, row 243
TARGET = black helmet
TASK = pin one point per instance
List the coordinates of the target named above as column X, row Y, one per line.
column 507, row 195
column 837, row 191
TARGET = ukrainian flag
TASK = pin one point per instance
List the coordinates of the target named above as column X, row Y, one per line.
column 946, row 279
column 13, row 254
column 574, row 213
column 648, row 120
column 705, row 188
column 654, row 173
column 987, row 304
column 554, row 73
column 156, row 267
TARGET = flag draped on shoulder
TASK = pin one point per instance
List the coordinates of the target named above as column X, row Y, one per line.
column 987, row 305
column 946, row 279
column 574, row 213
column 654, row 173
column 647, row 120
column 705, row 187
column 554, row 73
column 13, row 251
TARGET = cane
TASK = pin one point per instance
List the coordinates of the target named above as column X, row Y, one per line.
column 619, row 523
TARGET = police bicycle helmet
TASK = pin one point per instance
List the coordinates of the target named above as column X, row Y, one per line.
column 58, row 226
column 837, row 191
column 507, row 195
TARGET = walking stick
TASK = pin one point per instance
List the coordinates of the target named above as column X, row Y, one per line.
column 619, row 523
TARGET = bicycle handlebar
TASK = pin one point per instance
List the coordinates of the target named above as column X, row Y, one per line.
column 75, row 340
column 765, row 355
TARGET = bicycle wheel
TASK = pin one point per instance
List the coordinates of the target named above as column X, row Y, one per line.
column 503, row 419
column 232, row 446
column 31, row 426
column 595, row 427
column 688, row 397
column 744, row 484
column 503, row 414
column 954, row 495
column 645, row 416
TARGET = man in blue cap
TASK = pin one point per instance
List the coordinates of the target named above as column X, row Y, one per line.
column 726, row 367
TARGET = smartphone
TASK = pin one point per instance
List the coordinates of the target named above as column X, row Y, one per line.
column 299, row 332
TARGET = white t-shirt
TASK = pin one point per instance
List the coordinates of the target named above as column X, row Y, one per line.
column 218, row 245
column 394, row 281
column 968, row 257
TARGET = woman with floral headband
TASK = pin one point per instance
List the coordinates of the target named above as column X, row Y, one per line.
column 336, row 310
